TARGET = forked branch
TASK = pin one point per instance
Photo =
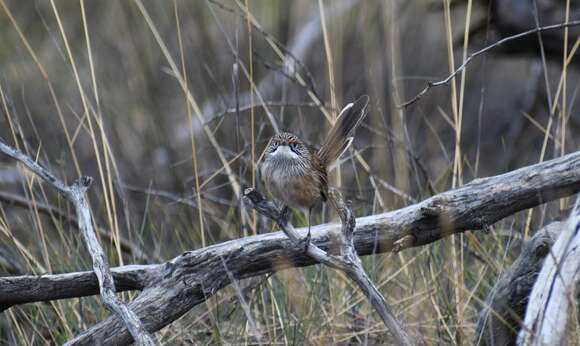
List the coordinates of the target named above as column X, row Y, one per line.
column 348, row 261
column 76, row 194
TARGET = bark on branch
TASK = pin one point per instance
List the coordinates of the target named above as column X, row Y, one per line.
column 173, row 288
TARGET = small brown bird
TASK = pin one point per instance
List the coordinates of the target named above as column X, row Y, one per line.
column 295, row 173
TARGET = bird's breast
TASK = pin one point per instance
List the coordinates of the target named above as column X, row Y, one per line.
column 291, row 184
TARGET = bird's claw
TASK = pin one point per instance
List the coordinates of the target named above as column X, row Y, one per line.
column 305, row 243
column 284, row 214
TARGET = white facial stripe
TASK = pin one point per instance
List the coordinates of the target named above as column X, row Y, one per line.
column 284, row 151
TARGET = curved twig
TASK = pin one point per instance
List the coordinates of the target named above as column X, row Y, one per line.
column 445, row 81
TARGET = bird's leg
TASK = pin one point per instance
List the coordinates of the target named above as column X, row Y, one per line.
column 306, row 241
column 283, row 220
column 284, row 214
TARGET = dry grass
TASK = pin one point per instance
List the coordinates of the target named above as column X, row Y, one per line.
column 170, row 104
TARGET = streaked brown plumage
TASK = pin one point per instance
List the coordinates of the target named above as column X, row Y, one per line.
column 295, row 173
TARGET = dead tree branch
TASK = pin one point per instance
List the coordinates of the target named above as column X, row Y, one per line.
column 348, row 260
column 173, row 288
column 556, row 289
column 76, row 194
column 485, row 50
column 29, row 288
column 505, row 305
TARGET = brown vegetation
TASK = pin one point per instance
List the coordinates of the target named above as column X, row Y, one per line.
column 169, row 104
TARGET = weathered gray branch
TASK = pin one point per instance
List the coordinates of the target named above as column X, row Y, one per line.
column 348, row 261
column 505, row 305
column 175, row 287
column 26, row 289
column 76, row 194
column 555, row 290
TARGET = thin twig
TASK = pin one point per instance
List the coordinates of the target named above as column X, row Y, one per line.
column 76, row 194
column 249, row 106
column 275, row 43
column 445, row 81
column 347, row 262
column 131, row 249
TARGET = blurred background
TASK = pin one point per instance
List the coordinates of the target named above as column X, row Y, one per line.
column 169, row 105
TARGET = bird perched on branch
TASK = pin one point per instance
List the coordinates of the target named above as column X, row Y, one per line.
column 295, row 173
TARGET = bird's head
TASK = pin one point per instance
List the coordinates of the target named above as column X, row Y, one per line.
column 285, row 146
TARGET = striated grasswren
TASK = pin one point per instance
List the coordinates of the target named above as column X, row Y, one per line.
column 295, row 173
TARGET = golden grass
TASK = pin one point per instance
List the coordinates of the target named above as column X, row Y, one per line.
column 437, row 290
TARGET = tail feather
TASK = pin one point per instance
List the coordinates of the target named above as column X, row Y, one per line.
column 341, row 135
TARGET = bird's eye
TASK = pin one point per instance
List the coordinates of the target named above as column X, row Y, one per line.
column 273, row 146
column 293, row 145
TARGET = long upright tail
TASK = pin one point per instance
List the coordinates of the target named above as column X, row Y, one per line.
column 341, row 135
